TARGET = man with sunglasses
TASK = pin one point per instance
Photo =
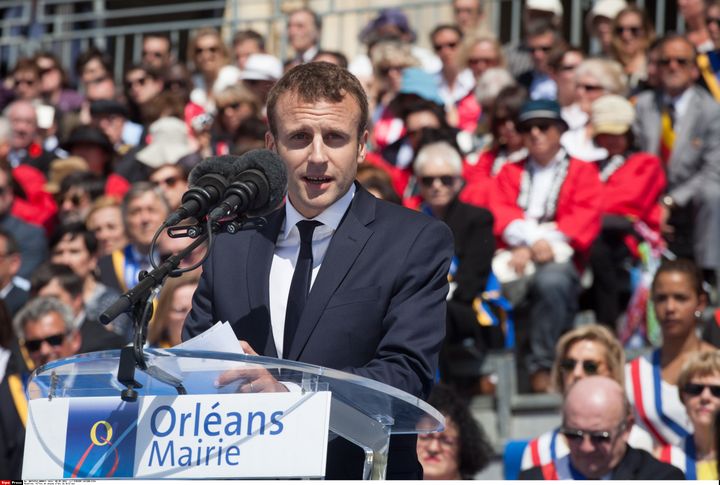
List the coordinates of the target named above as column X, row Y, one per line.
column 156, row 50
column 547, row 211
column 596, row 423
column 680, row 122
column 542, row 40
column 47, row 330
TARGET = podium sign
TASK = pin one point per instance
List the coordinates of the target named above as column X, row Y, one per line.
column 263, row 435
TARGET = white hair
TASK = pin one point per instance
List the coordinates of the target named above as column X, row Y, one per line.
column 491, row 82
column 438, row 151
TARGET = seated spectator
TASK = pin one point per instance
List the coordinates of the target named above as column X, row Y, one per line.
column 260, row 74
column 142, row 84
column 456, row 83
column 93, row 146
column 563, row 65
column 696, row 31
column 59, row 281
column 489, row 86
column 156, row 50
column 651, row 380
column 210, row 57
column 633, row 32
column 545, row 221
column 482, row 53
column 105, row 220
column 596, row 424
column 173, row 305
column 94, row 68
column 54, row 87
column 172, row 180
column 681, row 124
column 25, row 141
column 593, row 78
column 438, row 168
column 26, row 80
column 542, row 38
column 111, row 117
column 632, row 185
column 709, row 62
column 304, row 29
column 378, row 182
column 77, row 193
column 507, row 146
column 14, row 290
column 76, row 247
column 30, row 238
column 246, row 42
column 461, row 450
column 234, row 105
column 599, row 23
column 47, row 330
column 699, row 384
column 585, row 351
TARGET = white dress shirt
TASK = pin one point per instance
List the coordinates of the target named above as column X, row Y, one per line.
column 525, row 232
column 286, row 253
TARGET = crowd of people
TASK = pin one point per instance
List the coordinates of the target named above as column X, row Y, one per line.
column 551, row 164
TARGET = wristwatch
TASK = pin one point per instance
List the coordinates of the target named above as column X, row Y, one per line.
column 668, row 201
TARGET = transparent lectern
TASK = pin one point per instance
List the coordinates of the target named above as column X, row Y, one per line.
column 362, row 411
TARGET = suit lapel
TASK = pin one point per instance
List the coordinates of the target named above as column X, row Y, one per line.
column 259, row 261
column 345, row 246
column 683, row 136
column 654, row 127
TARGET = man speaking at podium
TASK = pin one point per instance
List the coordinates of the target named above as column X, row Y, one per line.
column 336, row 277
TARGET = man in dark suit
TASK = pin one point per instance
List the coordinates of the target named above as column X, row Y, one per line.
column 681, row 123
column 13, row 288
column 379, row 272
column 597, row 419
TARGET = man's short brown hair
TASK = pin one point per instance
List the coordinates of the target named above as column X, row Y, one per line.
column 316, row 81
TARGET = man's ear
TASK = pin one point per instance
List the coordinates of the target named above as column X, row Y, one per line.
column 270, row 141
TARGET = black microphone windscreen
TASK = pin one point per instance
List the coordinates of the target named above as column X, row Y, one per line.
column 270, row 164
column 222, row 165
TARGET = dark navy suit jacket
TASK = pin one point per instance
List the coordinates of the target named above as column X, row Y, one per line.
column 376, row 308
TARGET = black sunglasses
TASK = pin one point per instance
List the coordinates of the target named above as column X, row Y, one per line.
column 544, row 48
column 712, row 20
column 597, row 438
column 449, row 45
column 697, row 389
column 170, row 181
column 681, row 61
column 634, row 31
column 213, row 50
column 589, row 366
column 542, row 125
column 75, row 200
column 53, row 340
column 446, row 180
column 229, row 105
column 590, row 87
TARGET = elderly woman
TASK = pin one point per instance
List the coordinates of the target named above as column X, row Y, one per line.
column 593, row 78
column 461, row 450
column 587, row 350
column 632, row 182
column 438, row 169
column 633, row 32
column 234, row 104
column 699, row 386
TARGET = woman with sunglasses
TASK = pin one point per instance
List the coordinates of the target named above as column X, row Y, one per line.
column 699, row 384
column 587, row 350
column 235, row 104
column 632, row 34
column 506, row 147
column 438, row 169
column 210, row 57
column 652, row 380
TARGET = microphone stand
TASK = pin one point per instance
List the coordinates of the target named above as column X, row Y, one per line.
column 138, row 302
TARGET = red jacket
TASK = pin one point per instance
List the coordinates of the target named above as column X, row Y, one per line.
column 578, row 206
column 478, row 180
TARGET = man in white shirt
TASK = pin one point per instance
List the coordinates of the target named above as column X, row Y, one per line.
column 336, row 277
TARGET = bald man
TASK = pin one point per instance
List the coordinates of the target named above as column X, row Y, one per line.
column 596, row 423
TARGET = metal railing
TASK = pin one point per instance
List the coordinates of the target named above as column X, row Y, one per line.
column 117, row 26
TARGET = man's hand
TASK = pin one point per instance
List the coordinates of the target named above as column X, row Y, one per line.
column 520, row 258
column 666, row 229
column 542, row 251
column 253, row 378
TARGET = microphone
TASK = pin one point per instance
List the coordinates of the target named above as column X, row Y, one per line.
column 208, row 181
column 258, row 187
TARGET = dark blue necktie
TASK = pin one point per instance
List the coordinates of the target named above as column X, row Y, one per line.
column 300, row 285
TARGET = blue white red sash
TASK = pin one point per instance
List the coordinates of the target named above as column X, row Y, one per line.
column 682, row 457
column 656, row 403
column 544, row 451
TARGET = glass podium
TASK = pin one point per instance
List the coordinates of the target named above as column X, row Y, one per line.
column 363, row 411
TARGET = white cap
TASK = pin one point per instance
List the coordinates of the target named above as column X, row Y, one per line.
column 553, row 6
column 168, row 143
column 262, row 67
column 606, row 8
